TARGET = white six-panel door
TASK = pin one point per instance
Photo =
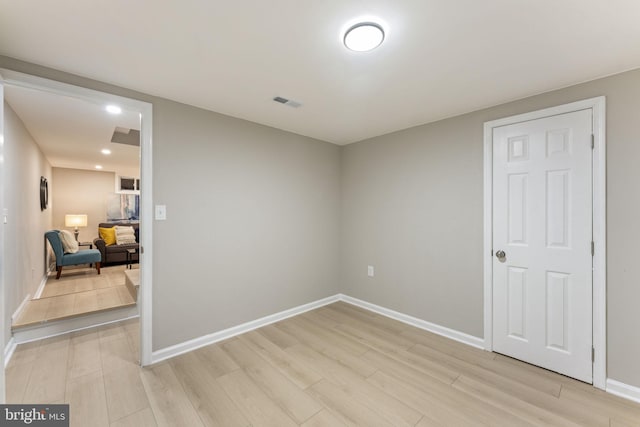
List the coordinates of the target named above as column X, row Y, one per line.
column 542, row 221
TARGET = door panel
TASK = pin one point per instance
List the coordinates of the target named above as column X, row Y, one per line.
column 542, row 220
column 517, row 198
column 517, row 301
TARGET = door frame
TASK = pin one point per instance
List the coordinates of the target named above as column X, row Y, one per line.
column 15, row 78
column 2, row 262
column 599, row 306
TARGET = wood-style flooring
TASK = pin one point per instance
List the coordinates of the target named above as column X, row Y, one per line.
column 79, row 291
column 335, row 366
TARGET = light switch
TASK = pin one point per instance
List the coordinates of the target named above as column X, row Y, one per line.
column 5, row 216
column 370, row 270
column 161, row 212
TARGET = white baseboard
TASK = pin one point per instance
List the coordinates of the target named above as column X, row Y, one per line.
column 175, row 350
column 18, row 311
column 623, row 390
column 8, row 351
column 43, row 282
column 418, row 323
column 612, row 386
column 26, row 299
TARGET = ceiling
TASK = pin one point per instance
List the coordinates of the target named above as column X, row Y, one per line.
column 440, row 58
column 72, row 132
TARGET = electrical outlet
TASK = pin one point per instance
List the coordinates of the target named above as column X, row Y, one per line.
column 370, row 271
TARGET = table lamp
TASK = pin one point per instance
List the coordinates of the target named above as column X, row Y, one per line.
column 75, row 220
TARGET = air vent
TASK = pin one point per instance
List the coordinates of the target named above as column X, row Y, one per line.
column 287, row 102
column 126, row 136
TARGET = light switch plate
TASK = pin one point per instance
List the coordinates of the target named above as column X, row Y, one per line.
column 161, row 212
column 370, row 270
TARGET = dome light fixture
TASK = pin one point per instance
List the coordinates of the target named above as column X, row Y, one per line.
column 364, row 36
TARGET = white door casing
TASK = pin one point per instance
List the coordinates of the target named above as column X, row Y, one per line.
column 544, row 204
column 542, row 221
column 2, row 298
column 145, row 299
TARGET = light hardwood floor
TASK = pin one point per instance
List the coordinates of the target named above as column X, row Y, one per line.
column 335, row 366
column 79, row 291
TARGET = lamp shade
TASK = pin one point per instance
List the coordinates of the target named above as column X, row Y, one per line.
column 75, row 220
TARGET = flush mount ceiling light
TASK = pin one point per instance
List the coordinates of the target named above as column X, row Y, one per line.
column 98, row 167
column 364, row 36
column 113, row 109
column 105, row 151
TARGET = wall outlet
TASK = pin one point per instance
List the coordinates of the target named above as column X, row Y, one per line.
column 370, row 271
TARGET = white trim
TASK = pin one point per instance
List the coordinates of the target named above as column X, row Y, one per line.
column 488, row 237
column 597, row 105
column 184, row 347
column 146, row 196
column 145, row 301
column 600, row 241
column 43, row 282
column 18, row 311
column 612, row 386
column 65, row 326
column 623, row 390
column 16, row 78
column 418, row 323
column 2, row 258
column 37, row 295
column 9, row 349
column 205, row 340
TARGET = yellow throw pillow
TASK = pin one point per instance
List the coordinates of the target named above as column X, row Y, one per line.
column 108, row 235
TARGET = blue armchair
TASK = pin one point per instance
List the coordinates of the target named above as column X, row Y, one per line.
column 81, row 257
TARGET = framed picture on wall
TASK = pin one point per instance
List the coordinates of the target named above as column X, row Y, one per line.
column 123, row 207
column 44, row 193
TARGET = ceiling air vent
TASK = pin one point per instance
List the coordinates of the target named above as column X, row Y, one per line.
column 287, row 102
column 126, row 136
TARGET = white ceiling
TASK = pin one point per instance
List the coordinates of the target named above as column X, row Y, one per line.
column 440, row 58
column 71, row 132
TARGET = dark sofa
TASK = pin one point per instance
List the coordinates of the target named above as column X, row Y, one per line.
column 117, row 254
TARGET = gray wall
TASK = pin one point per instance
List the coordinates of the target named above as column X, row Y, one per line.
column 79, row 191
column 253, row 216
column 252, row 222
column 412, row 207
column 24, row 250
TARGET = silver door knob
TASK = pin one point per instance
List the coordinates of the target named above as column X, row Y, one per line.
column 501, row 256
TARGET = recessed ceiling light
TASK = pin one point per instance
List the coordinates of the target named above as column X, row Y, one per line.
column 98, row 166
column 364, row 36
column 113, row 109
column 105, row 151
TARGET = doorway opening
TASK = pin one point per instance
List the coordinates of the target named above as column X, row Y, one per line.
column 133, row 205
